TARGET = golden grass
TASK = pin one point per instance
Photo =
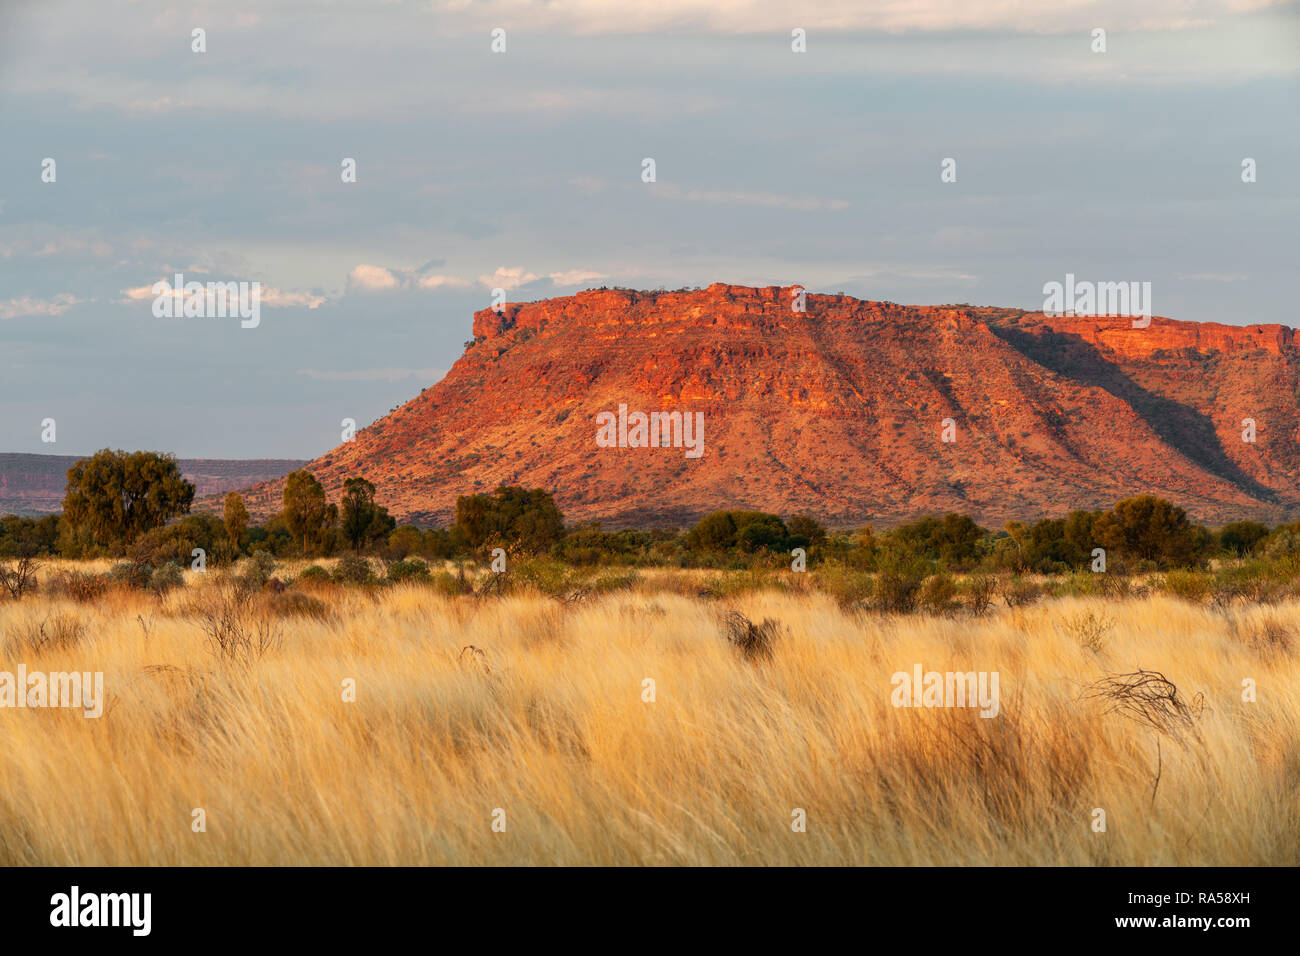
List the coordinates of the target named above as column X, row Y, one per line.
column 549, row 725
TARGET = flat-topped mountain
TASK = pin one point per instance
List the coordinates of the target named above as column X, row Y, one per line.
column 35, row 484
column 840, row 410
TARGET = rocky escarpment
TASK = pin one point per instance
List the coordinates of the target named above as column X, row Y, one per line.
column 840, row 410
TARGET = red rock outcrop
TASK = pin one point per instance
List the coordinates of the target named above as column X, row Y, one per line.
column 839, row 411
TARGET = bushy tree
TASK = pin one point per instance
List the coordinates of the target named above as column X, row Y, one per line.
column 1150, row 529
column 405, row 540
column 236, row 520
column 1241, row 537
column 715, row 532
column 306, row 512
column 748, row 531
column 115, row 496
column 952, row 540
column 29, row 535
column 175, row 543
column 807, row 530
column 516, row 517
column 363, row 521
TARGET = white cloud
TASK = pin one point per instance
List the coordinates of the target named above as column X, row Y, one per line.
column 437, row 282
column 277, row 298
column 15, row 308
column 516, row 276
column 575, row 277
column 507, row 279
column 268, row 296
column 367, row 278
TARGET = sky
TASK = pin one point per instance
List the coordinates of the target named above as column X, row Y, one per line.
column 523, row 170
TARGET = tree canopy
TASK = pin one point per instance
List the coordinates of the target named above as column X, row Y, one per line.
column 115, row 496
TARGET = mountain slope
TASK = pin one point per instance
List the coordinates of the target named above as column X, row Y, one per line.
column 838, row 411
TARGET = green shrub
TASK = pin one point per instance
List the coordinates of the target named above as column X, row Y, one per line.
column 977, row 593
column 939, row 594
column 168, row 577
column 408, row 569
column 131, row 574
column 1019, row 592
column 848, row 586
column 1193, row 586
column 313, row 574
column 452, row 585
column 257, row 570
column 898, row 585
column 353, row 569
column 297, row 604
column 77, row 585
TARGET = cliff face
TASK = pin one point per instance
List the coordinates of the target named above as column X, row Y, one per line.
column 839, row 411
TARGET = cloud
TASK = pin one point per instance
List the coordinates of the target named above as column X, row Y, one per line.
column 772, row 200
column 775, row 16
column 277, row 298
column 508, row 279
column 517, row 276
column 60, row 246
column 367, row 278
column 438, row 281
column 269, row 296
column 372, row 374
column 15, row 308
column 575, row 277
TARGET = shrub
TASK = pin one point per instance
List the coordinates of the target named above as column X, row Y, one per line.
column 313, row 574
column 57, row 631
column 898, row 585
column 167, row 577
column 131, row 574
column 1255, row 581
column 847, row 586
column 408, row 569
column 938, row 594
column 1019, row 592
column 257, row 571
column 20, row 577
column 297, row 604
column 754, row 641
column 353, row 569
column 977, row 592
column 1190, row 586
column 1088, row 630
column 234, row 629
column 453, row 584
column 542, row 574
column 77, row 586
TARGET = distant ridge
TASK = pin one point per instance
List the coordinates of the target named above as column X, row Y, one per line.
column 838, row 411
column 34, row 484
